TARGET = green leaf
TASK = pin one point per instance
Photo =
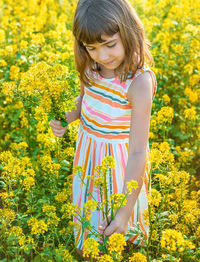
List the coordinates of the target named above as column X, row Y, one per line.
column 50, row 117
column 64, row 123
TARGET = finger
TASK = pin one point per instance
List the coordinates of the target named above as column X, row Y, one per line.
column 104, row 223
column 110, row 229
column 58, row 135
column 59, row 132
column 55, row 123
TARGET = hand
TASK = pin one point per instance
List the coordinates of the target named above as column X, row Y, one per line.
column 118, row 225
column 57, row 128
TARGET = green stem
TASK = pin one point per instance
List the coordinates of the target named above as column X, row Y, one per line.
column 81, row 220
column 57, row 151
column 170, row 256
column 101, row 208
column 105, row 186
column 120, row 204
column 101, row 199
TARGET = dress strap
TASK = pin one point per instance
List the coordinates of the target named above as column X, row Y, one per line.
column 139, row 72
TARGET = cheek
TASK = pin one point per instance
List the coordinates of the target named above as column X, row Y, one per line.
column 119, row 51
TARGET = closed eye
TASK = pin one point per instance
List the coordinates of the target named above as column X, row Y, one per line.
column 109, row 46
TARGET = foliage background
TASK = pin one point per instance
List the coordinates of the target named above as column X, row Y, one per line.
column 36, row 54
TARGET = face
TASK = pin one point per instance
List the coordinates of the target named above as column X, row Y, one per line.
column 110, row 54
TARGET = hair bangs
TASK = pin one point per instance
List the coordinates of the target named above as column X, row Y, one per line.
column 92, row 28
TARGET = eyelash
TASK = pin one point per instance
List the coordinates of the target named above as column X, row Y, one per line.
column 107, row 46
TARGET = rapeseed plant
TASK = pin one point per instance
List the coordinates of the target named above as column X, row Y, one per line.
column 35, row 48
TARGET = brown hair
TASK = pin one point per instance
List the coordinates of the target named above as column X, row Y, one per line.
column 96, row 17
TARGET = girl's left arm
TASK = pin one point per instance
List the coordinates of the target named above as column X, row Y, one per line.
column 140, row 95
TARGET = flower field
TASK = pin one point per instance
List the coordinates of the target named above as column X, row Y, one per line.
column 39, row 82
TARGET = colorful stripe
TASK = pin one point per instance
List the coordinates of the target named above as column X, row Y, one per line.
column 104, row 131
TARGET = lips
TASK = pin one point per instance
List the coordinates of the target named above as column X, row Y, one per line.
column 109, row 63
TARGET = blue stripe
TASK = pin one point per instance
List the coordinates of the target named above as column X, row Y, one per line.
column 123, row 102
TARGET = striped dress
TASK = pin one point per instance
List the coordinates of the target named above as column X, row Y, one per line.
column 104, row 131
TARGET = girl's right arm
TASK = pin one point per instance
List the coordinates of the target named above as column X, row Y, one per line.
column 56, row 126
column 75, row 114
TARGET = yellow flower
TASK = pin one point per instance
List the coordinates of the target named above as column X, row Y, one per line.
column 117, row 200
column 164, row 147
column 28, row 183
column 37, row 226
column 88, row 206
column 177, row 177
column 69, row 210
column 23, row 44
column 14, row 72
column 38, row 39
column 2, row 35
column 3, row 63
column 90, row 248
column 22, row 240
column 190, row 114
column 173, row 218
column 48, row 208
column 137, row 257
column 98, row 181
column 16, row 231
column 172, row 239
column 66, row 256
column 7, row 213
column 154, row 197
column 106, row 258
column 78, row 169
column 165, row 115
column 108, row 162
column 146, row 216
column 62, row 196
column 192, row 94
column 166, row 98
column 132, row 185
column 116, row 243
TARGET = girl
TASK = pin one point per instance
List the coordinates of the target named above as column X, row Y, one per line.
column 114, row 107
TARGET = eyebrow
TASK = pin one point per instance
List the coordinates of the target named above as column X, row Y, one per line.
column 107, row 42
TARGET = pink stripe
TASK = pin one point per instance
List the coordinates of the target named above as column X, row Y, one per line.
column 99, row 161
column 122, row 158
column 95, row 113
column 123, row 118
column 83, row 154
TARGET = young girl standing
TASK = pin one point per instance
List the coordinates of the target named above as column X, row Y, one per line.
column 114, row 107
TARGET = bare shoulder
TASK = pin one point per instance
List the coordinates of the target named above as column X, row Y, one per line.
column 141, row 88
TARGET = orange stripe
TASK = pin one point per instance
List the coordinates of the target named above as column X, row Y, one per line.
column 103, row 125
column 132, row 239
column 84, row 168
column 107, row 89
column 114, row 174
column 92, row 171
column 77, row 238
column 132, row 216
column 146, row 182
column 78, row 152
column 86, row 159
column 127, row 147
column 108, row 136
column 108, row 101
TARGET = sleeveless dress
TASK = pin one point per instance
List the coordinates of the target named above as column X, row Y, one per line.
column 104, row 131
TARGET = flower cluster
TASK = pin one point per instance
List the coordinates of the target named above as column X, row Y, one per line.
column 90, row 248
